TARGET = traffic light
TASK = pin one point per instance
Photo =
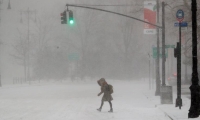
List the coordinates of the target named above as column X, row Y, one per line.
column 176, row 50
column 71, row 19
column 63, row 17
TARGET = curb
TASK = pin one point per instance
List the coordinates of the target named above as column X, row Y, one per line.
column 169, row 116
column 157, row 106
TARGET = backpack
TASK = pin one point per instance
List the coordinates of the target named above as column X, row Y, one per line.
column 110, row 87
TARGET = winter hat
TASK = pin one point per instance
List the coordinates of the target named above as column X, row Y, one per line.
column 101, row 81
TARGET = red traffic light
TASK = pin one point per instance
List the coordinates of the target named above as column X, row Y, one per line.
column 175, row 74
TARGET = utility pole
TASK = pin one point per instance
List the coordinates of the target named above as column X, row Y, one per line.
column 149, row 71
column 166, row 91
column 28, row 77
column 9, row 6
column 194, row 111
column 157, row 93
column 1, row 2
column 163, row 44
column 28, row 12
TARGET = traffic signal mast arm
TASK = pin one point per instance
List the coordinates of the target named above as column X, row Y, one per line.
column 72, row 5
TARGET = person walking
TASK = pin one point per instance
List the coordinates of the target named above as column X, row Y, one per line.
column 107, row 89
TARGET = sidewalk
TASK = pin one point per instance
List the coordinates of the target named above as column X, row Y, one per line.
column 174, row 113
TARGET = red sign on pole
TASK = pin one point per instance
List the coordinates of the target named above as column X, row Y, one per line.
column 150, row 16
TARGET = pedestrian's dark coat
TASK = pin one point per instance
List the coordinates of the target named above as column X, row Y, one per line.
column 106, row 89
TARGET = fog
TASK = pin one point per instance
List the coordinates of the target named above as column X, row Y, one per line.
column 98, row 45
column 49, row 70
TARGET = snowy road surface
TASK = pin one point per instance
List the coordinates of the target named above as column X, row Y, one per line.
column 76, row 101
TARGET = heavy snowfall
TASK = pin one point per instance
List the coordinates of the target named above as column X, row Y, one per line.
column 49, row 67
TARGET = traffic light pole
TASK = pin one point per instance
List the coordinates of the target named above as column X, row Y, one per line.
column 194, row 111
column 166, row 91
column 163, row 44
column 157, row 93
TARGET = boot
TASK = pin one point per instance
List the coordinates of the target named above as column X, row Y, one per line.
column 99, row 109
column 111, row 110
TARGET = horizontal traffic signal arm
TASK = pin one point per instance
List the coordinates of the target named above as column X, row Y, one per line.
column 73, row 5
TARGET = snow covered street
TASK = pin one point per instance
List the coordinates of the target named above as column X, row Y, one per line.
column 59, row 59
column 76, row 101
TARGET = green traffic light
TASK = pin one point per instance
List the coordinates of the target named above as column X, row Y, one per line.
column 71, row 22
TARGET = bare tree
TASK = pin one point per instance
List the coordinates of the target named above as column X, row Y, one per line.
column 20, row 54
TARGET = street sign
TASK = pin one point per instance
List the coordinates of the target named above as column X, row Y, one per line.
column 169, row 46
column 73, row 57
column 160, row 55
column 183, row 24
column 180, row 15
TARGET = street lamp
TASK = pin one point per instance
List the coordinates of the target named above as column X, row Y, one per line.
column 28, row 12
column 194, row 111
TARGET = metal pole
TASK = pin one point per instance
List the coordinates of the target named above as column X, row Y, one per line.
column 194, row 111
column 157, row 93
column 163, row 44
column 1, row 1
column 153, row 74
column 179, row 100
column 172, row 69
column 9, row 6
column 167, row 62
column 149, row 73
column 28, row 52
column 186, row 79
column 0, row 81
